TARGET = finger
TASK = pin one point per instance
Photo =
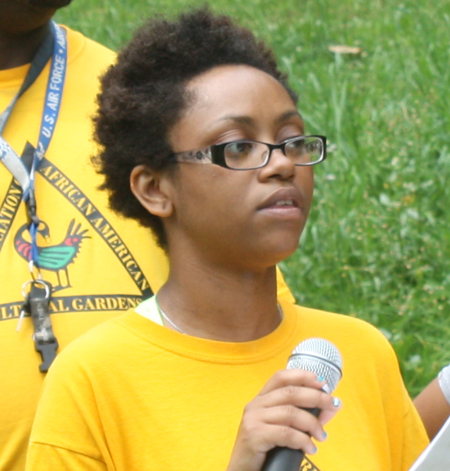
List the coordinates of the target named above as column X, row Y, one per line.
column 298, row 419
column 281, row 436
column 326, row 414
column 299, row 396
column 292, row 377
column 255, row 440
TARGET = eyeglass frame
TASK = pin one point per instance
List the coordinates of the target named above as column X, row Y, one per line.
column 216, row 153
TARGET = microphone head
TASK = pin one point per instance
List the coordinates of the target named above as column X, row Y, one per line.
column 320, row 357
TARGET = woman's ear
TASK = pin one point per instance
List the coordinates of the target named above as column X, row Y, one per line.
column 149, row 188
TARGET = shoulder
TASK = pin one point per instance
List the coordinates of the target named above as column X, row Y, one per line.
column 354, row 337
column 97, row 348
column 88, row 51
column 340, row 324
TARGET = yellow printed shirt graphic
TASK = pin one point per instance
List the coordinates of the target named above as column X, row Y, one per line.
column 99, row 265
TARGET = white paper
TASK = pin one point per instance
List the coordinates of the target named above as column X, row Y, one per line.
column 436, row 456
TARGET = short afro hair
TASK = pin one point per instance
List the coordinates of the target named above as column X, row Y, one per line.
column 143, row 96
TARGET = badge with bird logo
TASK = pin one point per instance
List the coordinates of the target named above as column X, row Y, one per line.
column 55, row 258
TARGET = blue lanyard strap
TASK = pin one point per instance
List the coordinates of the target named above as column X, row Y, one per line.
column 52, row 104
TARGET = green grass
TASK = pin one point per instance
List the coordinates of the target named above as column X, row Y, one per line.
column 377, row 244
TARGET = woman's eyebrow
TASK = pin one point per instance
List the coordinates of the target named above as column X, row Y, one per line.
column 287, row 115
column 238, row 119
column 250, row 121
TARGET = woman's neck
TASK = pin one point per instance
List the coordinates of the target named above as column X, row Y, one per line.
column 221, row 304
column 19, row 49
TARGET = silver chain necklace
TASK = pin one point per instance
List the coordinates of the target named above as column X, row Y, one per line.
column 172, row 323
column 167, row 318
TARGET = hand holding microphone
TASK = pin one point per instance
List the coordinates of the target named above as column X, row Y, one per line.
column 323, row 358
column 277, row 426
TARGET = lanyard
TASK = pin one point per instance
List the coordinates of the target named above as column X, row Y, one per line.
column 56, row 40
column 38, row 298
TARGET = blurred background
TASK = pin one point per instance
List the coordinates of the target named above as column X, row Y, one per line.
column 374, row 77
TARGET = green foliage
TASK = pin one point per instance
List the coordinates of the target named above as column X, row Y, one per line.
column 376, row 245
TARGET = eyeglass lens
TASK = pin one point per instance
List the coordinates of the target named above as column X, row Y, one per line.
column 250, row 154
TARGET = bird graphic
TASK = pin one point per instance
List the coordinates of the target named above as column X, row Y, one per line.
column 55, row 258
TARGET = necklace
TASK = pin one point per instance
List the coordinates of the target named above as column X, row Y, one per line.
column 172, row 323
column 167, row 318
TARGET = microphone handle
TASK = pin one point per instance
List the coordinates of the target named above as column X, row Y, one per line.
column 286, row 459
column 283, row 459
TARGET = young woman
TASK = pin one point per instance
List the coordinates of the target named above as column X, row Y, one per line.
column 202, row 142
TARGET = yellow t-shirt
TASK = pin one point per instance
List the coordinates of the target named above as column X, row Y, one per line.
column 132, row 395
column 113, row 261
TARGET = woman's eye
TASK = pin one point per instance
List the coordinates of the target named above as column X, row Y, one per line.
column 296, row 145
column 238, row 149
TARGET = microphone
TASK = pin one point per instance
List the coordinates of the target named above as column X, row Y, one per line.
column 322, row 358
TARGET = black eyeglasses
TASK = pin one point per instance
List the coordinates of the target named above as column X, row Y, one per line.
column 249, row 155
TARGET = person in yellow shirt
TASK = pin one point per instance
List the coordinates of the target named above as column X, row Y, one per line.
column 92, row 260
column 92, row 263
column 201, row 141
